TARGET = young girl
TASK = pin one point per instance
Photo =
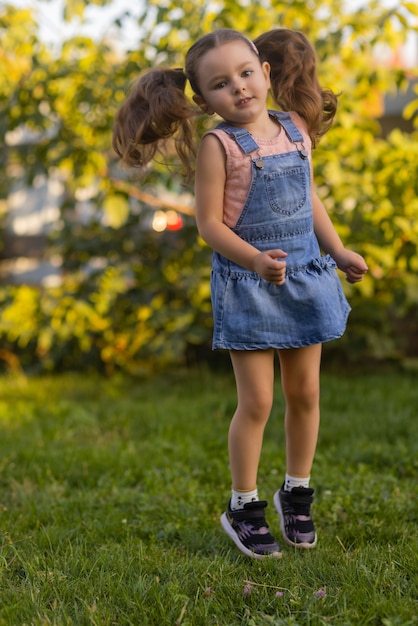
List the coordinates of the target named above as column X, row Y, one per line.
column 256, row 206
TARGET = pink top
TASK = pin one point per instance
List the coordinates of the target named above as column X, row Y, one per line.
column 238, row 165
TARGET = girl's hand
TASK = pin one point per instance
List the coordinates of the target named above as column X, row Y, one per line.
column 269, row 267
column 352, row 264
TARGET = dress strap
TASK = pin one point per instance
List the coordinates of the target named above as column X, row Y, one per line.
column 243, row 138
column 289, row 126
column 247, row 142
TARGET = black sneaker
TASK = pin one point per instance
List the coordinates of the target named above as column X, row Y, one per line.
column 249, row 530
column 294, row 508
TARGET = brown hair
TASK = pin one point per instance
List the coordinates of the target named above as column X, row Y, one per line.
column 157, row 108
column 294, row 79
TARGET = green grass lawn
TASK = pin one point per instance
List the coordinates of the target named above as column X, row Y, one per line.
column 111, row 492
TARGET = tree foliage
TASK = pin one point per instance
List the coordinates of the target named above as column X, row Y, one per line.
column 131, row 295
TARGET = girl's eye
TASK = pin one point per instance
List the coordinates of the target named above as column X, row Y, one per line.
column 247, row 73
column 220, row 85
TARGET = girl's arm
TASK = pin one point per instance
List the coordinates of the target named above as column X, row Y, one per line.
column 349, row 262
column 209, row 189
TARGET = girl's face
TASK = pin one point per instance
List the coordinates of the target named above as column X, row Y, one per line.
column 233, row 83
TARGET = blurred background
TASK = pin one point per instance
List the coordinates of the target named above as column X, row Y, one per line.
column 102, row 269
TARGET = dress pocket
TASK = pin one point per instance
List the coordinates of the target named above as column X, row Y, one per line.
column 286, row 190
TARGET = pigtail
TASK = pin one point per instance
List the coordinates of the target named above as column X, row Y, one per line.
column 155, row 110
column 294, row 80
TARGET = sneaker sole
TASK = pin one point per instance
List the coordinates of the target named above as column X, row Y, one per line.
column 304, row 544
column 233, row 535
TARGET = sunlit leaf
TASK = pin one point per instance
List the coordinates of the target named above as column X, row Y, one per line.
column 412, row 7
column 116, row 208
column 411, row 109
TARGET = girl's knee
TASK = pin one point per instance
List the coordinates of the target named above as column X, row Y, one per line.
column 304, row 395
column 256, row 406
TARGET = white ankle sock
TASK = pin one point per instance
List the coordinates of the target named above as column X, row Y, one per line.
column 239, row 498
column 295, row 481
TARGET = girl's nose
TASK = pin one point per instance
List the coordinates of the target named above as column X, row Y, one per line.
column 238, row 86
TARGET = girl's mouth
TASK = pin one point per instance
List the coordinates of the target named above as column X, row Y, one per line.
column 243, row 101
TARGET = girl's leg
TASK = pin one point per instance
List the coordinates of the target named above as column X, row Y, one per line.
column 254, row 376
column 300, row 369
column 300, row 381
column 246, row 525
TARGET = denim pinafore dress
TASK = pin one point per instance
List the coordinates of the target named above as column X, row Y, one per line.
column 251, row 313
